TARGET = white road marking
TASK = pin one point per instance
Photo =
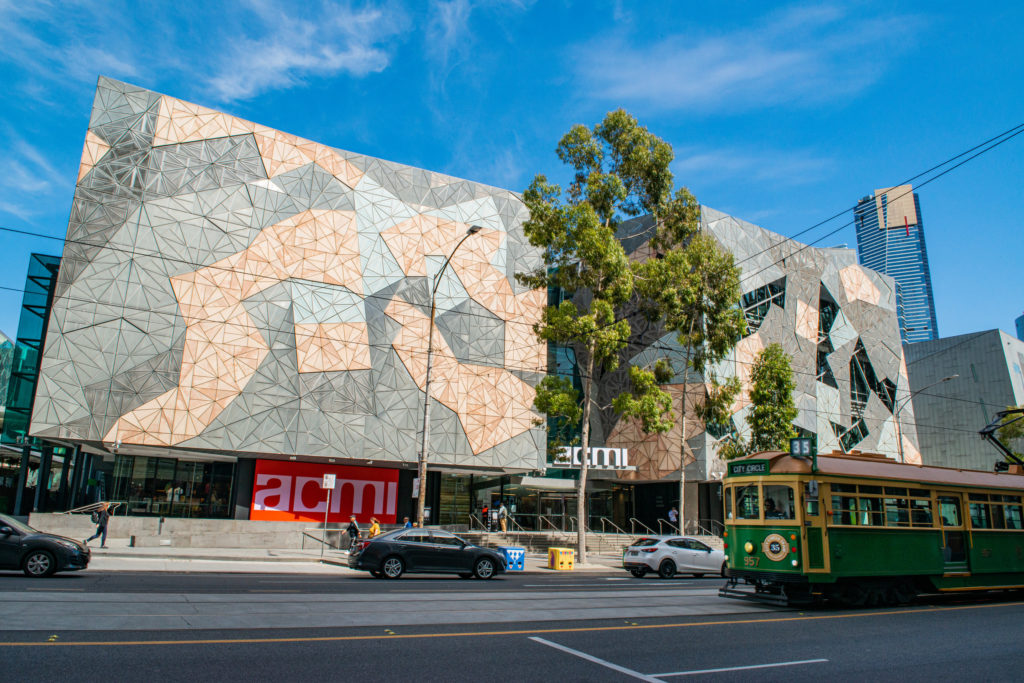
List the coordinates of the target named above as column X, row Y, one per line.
column 595, row 660
column 740, row 668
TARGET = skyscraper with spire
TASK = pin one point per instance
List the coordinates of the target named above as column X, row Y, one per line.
column 890, row 240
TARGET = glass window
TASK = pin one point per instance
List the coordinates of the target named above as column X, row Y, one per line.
column 416, row 536
column 844, row 510
column 998, row 519
column 697, row 545
column 778, row 502
column 844, row 488
column 441, row 538
column 949, row 510
column 871, row 512
column 897, row 512
column 642, row 542
column 979, row 516
column 812, row 508
column 920, row 512
column 977, row 496
column 920, row 493
column 728, row 502
column 1009, row 499
column 747, row 502
column 870, row 489
column 1013, row 517
column 895, row 491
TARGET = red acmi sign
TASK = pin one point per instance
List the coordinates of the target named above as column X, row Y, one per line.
column 288, row 491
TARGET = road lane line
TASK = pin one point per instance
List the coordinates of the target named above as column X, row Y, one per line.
column 476, row 634
column 595, row 660
column 740, row 668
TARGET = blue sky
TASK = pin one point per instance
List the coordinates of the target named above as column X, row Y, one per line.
column 779, row 114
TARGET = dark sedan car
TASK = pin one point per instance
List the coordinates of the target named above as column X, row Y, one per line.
column 424, row 550
column 37, row 553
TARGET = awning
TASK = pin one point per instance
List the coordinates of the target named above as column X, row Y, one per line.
column 547, row 484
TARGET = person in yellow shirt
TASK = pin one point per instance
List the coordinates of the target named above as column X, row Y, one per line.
column 374, row 528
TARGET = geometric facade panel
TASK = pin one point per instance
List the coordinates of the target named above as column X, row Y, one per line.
column 228, row 287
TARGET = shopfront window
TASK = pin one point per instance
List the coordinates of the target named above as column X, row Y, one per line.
column 173, row 488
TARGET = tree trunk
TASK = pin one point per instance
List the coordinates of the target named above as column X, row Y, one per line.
column 581, row 487
column 682, row 446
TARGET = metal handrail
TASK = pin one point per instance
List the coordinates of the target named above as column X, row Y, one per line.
column 633, row 521
column 661, row 531
column 513, row 523
column 550, row 523
column 605, row 520
column 96, row 506
column 476, row 518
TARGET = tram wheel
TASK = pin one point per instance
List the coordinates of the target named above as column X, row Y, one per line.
column 905, row 592
column 854, row 595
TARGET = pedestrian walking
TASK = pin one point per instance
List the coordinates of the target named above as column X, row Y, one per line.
column 407, row 524
column 100, row 518
column 374, row 528
column 503, row 517
column 673, row 516
column 352, row 531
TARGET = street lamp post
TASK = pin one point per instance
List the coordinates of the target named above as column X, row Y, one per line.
column 903, row 404
column 425, row 445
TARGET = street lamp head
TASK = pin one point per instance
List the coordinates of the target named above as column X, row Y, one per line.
column 946, row 379
column 474, row 229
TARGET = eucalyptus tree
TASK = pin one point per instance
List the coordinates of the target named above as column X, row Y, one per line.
column 771, row 396
column 620, row 172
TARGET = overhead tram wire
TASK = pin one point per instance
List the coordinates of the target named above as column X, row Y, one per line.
column 904, row 182
column 747, row 276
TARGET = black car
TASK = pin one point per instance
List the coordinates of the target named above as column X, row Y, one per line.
column 424, row 550
column 37, row 553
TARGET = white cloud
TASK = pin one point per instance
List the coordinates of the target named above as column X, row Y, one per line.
column 785, row 167
column 799, row 55
column 283, row 50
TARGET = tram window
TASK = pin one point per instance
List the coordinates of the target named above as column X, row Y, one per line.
column 870, row 489
column 897, row 511
column 748, row 505
column 998, row 519
column 977, row 496
column 949, row 510
column 871, row 512
column 844, row 488
column 728, row 502
column 1009, row 499
column 778, row 502
column 813, row 507
column 1013, row 517
column 920, row 512
column 895, row 491
column 844, row 510
column 979, row 516
column 920, row 493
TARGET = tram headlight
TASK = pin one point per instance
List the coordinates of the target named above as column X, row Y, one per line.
column 749, row 547
column 794, row 563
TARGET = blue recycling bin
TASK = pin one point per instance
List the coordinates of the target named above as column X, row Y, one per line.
column 515, row 557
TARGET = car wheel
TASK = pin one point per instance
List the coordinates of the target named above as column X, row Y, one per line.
column 377, row 574
column 39, row 563
column 465, row 575
column 484, row 568
column 667, row 569
column 725, row 569
column 638, row 572
column 392, row 567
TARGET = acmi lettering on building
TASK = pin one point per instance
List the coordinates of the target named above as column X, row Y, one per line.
column 600, row 458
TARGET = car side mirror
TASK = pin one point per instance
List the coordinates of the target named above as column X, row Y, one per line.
column 6, row 531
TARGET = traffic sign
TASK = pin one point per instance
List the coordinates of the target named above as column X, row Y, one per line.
column 329, row 481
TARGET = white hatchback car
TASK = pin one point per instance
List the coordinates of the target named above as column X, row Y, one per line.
column 671, row 555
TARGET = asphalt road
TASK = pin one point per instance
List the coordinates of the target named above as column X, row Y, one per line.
column 935, row 639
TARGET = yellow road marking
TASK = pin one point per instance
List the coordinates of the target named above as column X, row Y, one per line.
column 583, row 629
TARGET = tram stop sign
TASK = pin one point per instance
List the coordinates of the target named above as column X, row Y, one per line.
column 329, row 481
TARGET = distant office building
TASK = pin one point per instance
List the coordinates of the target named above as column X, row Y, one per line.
column 6, row 355
column 1020, row 327
column 890, row 240
column 989, row 376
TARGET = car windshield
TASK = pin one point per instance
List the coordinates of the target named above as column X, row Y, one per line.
column 645, row 541
column 15, row 524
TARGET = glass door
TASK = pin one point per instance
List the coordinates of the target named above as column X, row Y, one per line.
column 954, row 533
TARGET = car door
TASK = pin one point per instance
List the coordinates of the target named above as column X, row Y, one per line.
column 417, row 550
column 449, row 552
column 10, row 549
column 702, row 560
column 679, row 554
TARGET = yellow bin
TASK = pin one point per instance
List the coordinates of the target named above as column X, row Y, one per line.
column 561, row 558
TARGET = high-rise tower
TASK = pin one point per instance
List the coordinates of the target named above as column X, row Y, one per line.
column 890, row 240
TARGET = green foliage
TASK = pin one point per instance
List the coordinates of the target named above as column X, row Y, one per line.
column 1012, row 430
column 731, row 447
column 771, row 394
column 556, row 397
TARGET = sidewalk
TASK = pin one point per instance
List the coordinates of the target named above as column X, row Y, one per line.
column 277, row 561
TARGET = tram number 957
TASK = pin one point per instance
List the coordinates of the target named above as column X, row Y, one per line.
column 750, row 561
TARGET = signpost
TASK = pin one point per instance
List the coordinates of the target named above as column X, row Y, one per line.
column 328, row 484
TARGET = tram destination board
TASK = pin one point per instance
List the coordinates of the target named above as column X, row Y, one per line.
column 749, row 467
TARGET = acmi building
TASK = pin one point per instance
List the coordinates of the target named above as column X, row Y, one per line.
column 239, row 311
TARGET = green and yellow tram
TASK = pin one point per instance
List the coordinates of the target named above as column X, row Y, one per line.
column 864, row 529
